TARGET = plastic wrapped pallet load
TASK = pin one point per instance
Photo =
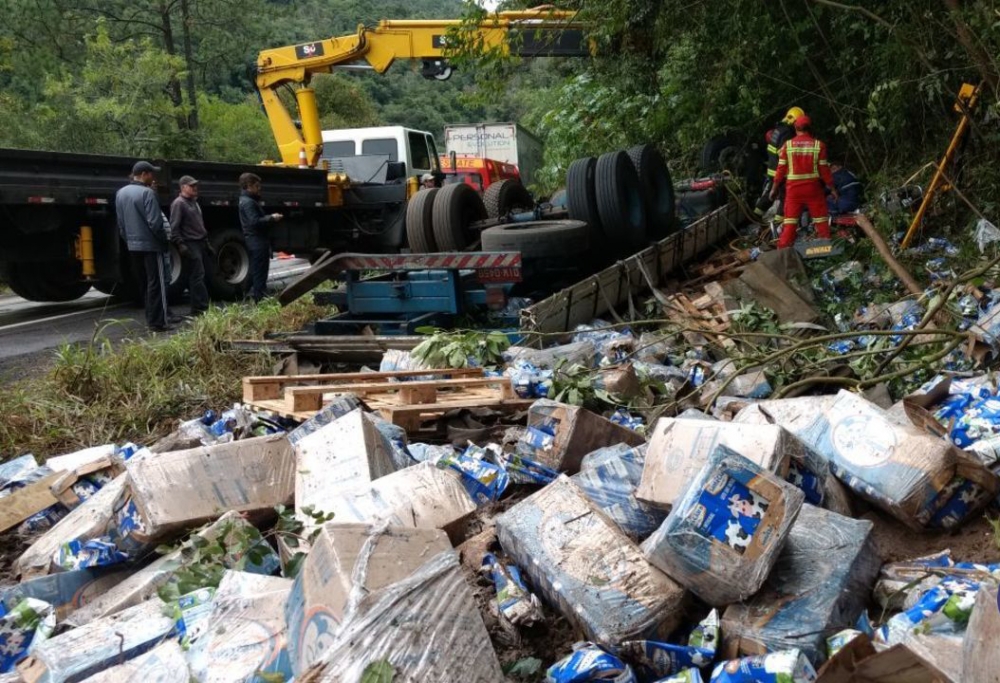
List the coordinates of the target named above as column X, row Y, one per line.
column 722, row 538
column 679, row 448
column 914, row 475
column 584, row 566
column 371, row 594
column 820, row 585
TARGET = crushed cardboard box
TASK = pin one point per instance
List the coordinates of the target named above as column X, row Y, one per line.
column 819, row 586
column 583, row 565
column 725, row 534
column 559, row 435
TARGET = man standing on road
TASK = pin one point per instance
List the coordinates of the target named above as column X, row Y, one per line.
column 804, row 169
column 141, row 224
column 255, row 227
column 187, row 232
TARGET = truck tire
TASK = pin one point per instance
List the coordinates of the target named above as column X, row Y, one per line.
column 419, row 225
column 581, row 196
column 620, row 202
column 177, row 276
column 230, row 276
column 719, row 150
column 55, row 281
column 505, row 196
column 657, row 189
column 455, row 209
column 539, row 239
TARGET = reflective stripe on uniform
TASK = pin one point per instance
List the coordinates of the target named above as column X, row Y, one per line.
column 771, row 149
column 810, row 150
column 771, row 172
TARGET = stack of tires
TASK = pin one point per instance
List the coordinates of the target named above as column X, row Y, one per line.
column 616, row 204
column 625, row 197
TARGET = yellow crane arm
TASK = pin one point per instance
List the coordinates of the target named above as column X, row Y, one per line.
column 526, row 33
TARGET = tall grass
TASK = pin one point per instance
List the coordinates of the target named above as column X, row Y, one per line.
column 138, row 389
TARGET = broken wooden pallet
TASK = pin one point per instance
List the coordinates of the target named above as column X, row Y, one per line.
column 406, row 404
column 724, row 266
column 706, row 315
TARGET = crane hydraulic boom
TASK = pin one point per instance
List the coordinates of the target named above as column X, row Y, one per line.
column 523, row 33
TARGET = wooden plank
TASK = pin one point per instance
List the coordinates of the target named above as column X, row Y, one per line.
column 269, row 388
column 981, row 654
column 311, row 397
column 27, row 501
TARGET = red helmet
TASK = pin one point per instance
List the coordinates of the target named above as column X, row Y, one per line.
column 803, row 122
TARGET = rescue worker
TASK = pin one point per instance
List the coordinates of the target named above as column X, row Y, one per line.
column 782, row 132
column 803, row 170
column 848, row 187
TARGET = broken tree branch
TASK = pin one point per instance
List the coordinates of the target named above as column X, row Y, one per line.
column 883, row 249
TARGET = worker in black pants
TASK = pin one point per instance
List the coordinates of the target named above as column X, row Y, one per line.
column 143, row 227
column 255, row 227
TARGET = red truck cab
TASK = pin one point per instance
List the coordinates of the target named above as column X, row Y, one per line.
column 478, row 172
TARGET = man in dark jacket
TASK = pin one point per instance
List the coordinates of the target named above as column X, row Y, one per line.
column 142, row 226
column 187, row 232
column 255, row 228
column 849, row 189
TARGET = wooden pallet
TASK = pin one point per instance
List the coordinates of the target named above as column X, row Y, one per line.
column 407, row 404
column 721, row 267
column 706, row 314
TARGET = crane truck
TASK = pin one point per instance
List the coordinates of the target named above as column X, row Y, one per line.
column 58, row 235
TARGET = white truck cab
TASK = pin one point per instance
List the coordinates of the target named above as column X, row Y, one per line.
column 415, row 148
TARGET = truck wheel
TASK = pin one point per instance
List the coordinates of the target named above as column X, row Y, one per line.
column 619, row 201
column 539, row 239
column 230, row 276
column 505, row 196
column 657, row 187
column 581, row 196
column 455, row 209
column 58, row 281
column 177, row 280
column 419, row 225
column 720, row 151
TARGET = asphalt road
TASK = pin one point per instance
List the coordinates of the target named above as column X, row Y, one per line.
column 30, row 332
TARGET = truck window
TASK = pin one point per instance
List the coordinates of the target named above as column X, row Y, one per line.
column 381, row 146
column 338, row 150
column 420, row 156
column 435, row 159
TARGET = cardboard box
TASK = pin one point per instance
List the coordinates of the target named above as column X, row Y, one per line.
column 181, row 489
column 980, row 654
column 66, row 591
column 165, row 663
column 338, row 407
column 584, row 566
column 726, row 532
column 412, row 608
column 344, row 454
column 913, row 475
column 144, row 584
column 246, row 632
column 427, row 627
column 679, row 449
column 608, row 478
column 88, row 521
column 421, row 496
column 820, row 585
column 559, row 435
column 85, row 651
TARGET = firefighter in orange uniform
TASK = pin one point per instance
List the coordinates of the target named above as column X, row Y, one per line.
column 803, row 167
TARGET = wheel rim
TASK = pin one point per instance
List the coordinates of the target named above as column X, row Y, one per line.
column 175, row 265
column 234, row 263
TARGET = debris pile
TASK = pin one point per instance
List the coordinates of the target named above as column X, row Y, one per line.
column 638, row 506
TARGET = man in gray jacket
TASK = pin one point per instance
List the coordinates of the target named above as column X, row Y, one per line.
column 188, row 233
column 141, row 224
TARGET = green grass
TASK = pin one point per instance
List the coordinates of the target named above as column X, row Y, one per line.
column 138, row 389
